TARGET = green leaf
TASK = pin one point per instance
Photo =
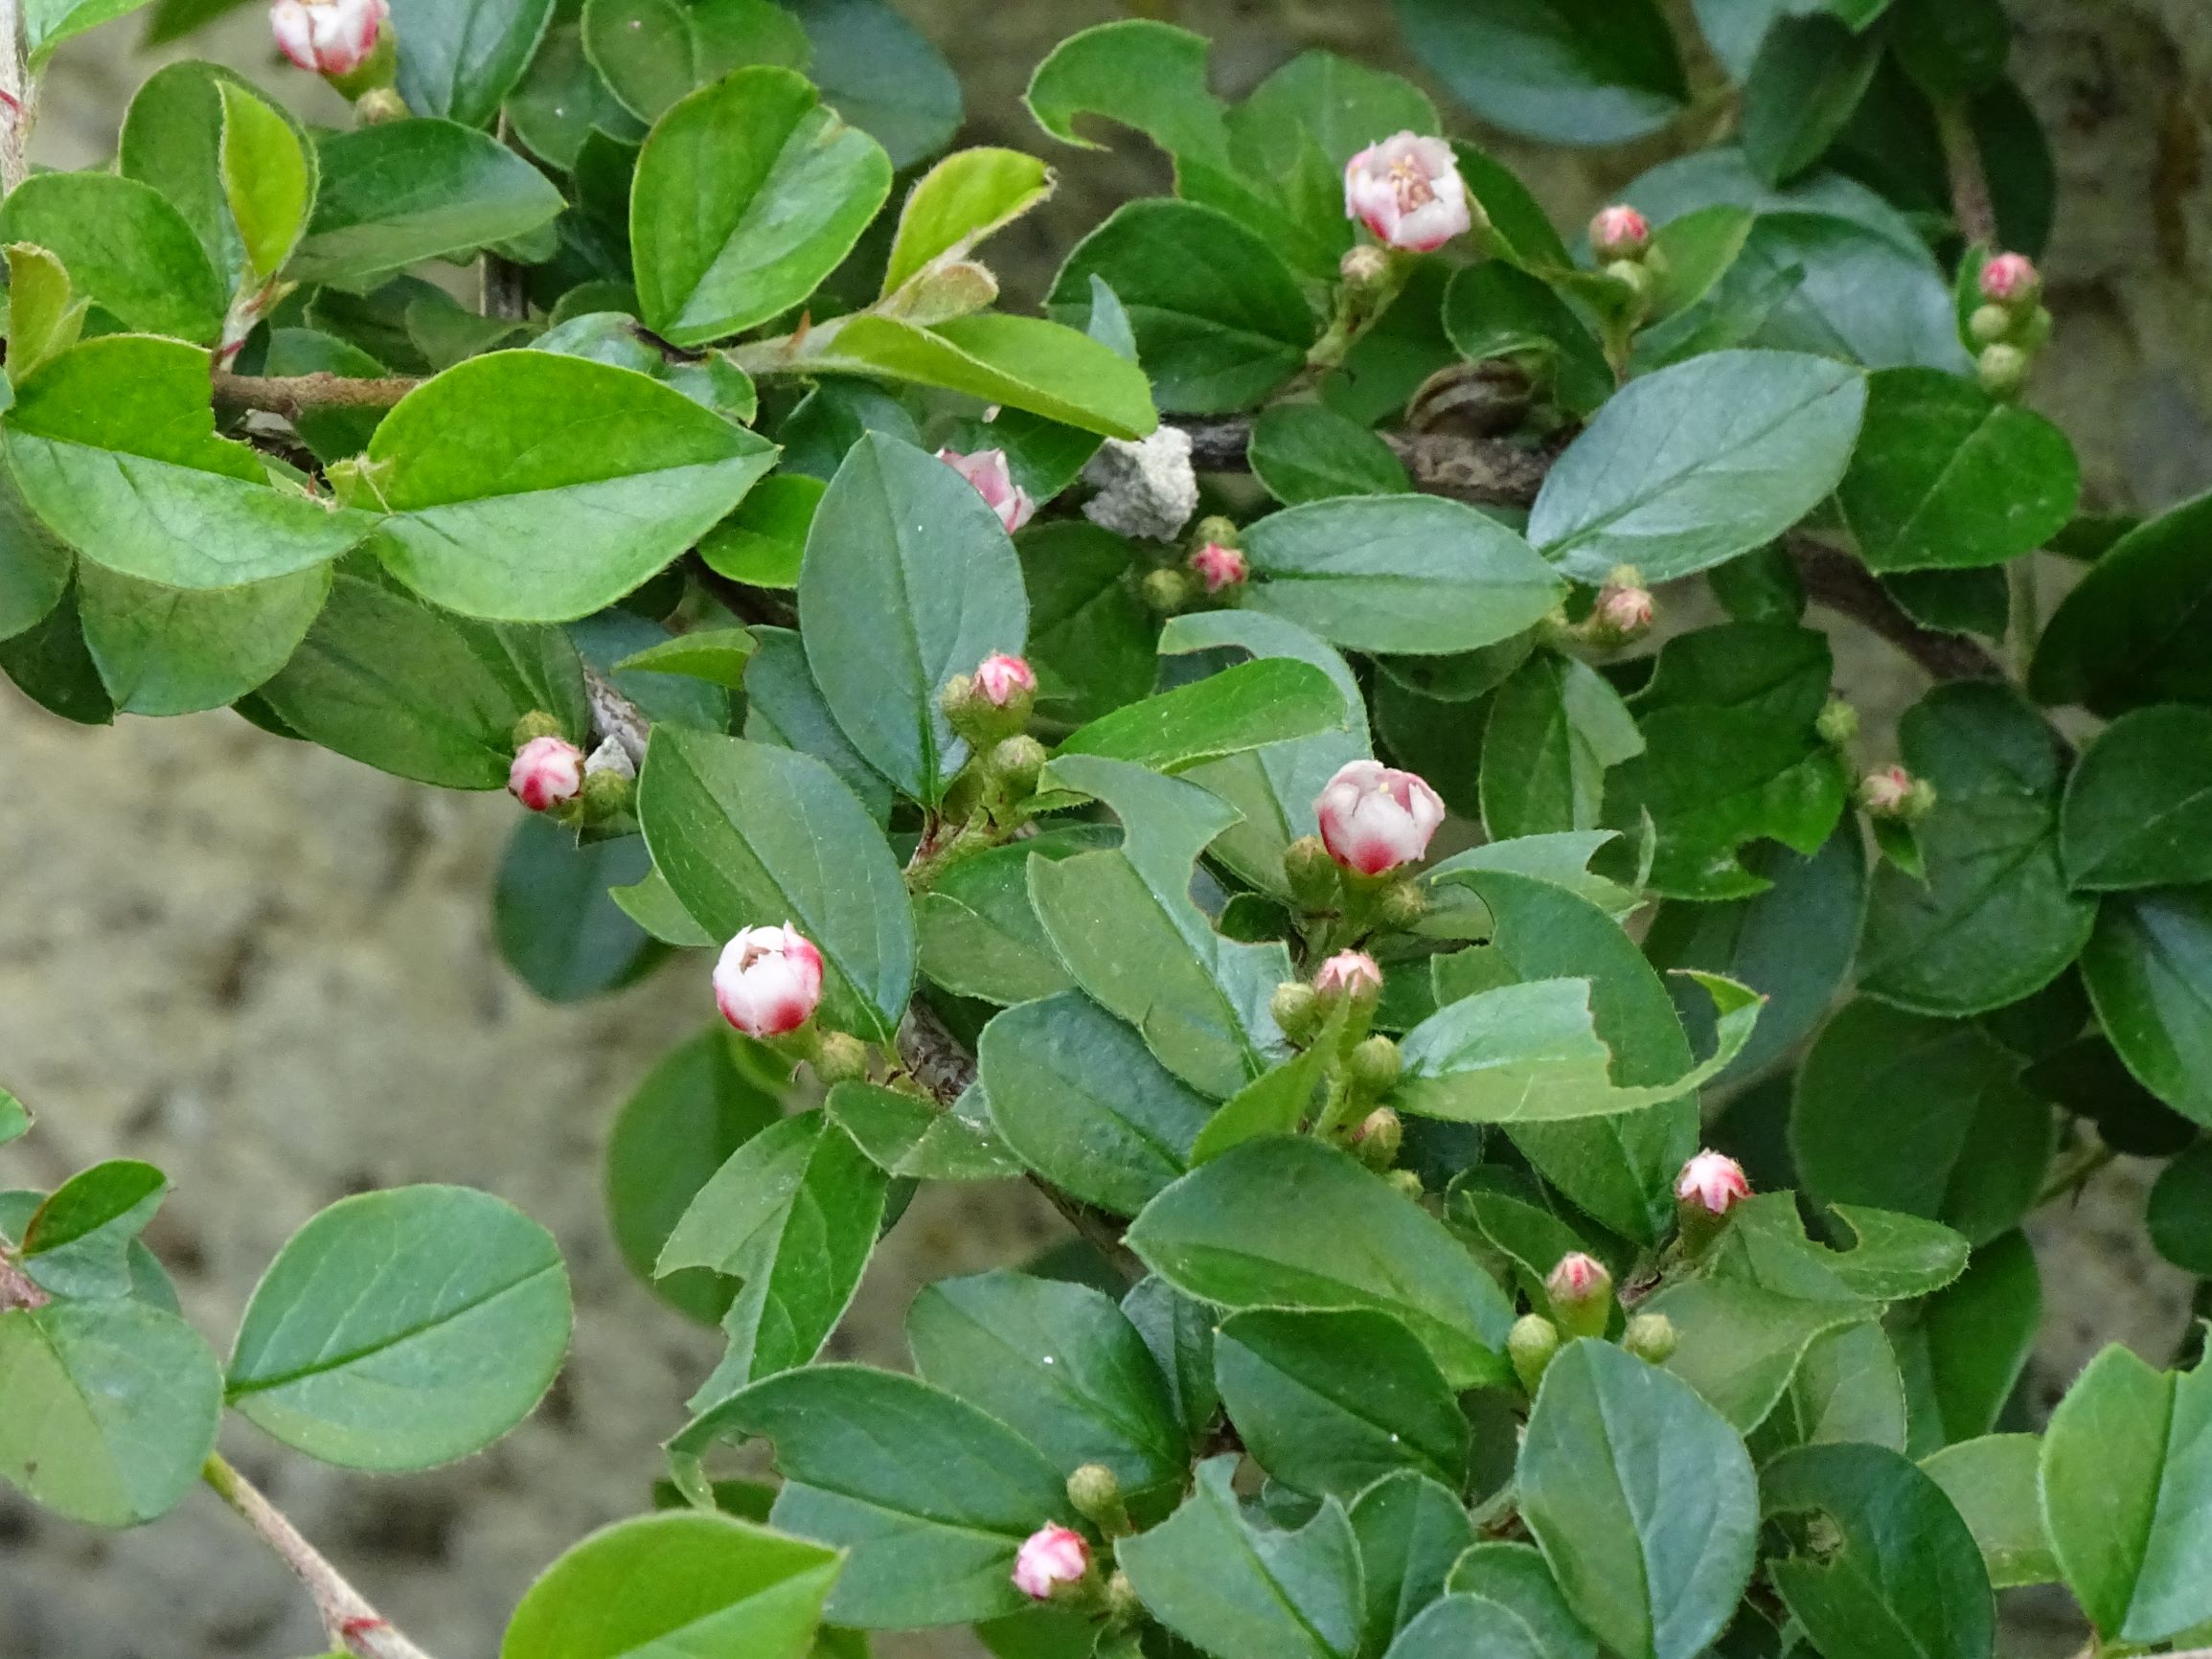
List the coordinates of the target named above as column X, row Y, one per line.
column 1995, row 919
column 1308, row 453
column 714, row 655
column 409, row 690
column 1695, row 251
column 44, row 316
column 112, row 1409
column 1689, row 466
column 907, row 1136
column 1896, row 1574
column 1273, row 1103
column 51, row 666
column 1059, row 1364
column 1020, row 362
column 1080, row 1099
column 1846, row 1389
column 561, row 98
column 785, row 707
column 1809, row 76
column 1530, row 1053
column 909, row 578
column 268, row 181
column 884, row 76
column 748, row 835
column 653, row 53
column 1459, row 1623
column 169, row 650
column 964, row 199
column 686, row 1582
column 113, row 446
column 1589, row 73
column 701, row 1102
column 1994, row 1484
column 1517, row 1578
column 48, row 23
column 404, row 1329
column 930, row 1497
column 1329, row 1403
column 171, row 139
column 126, row 249
column 2148, row 971
column 1411, row 1531
column 980, row 935
column 1248, row 706
column 1496, row 310
column 404, row 191
column 1218, row 318
column 1963, row 1350
column 795, row 1214
column 558, row 929
column 1126, row 930
column 78, row 1241
column 1242, row 1592
column 492, row 516
column 462, row 58
column 761, row 543
column 1289, row 1222
column 1414, row 573
column 712, row 382
column 1946, row 478
column 2127, row 1491
column 1643, row 1500
column 1959, row 1139
column 1143, row 74
column 2124, row 635
column 749, row 191
column 1554, row 727
column 2138, row 810
column 15, row 1118
column 2178, row 1213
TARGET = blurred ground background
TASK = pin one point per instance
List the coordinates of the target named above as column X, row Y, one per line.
column 272, row 971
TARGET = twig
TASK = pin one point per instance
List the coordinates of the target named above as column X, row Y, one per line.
column 614, row 715
column 18, row 98
column 352, row 1624
column 292, row 396
column 1969, row 196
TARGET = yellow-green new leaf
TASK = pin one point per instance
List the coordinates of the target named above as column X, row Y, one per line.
column 961, row 200
column 44, row 315
column 269, row 180
column 1022, row 362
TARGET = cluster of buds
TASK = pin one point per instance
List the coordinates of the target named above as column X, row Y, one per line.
column 2011, row 324
column 550, row 774
column 1214, row 568
column 1408, row 192
column 1622, row 612
column 1621, row 243
column 1893, row 794
column 349, row 43
column 993, row 480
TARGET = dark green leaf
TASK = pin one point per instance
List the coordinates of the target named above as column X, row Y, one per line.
column 462, row 58
column 2148, row 970
column 1459, row 1624
column 2179, row 1212
column 1411, row 1531
column 77, row 1243
column 1139, row 72
column 2127, row 633
column 559, row 930
column 1496, row 310
column 653, row 53
column 2138, row 808
column 1308, row 453
column 174, row 651
column 1554, row 727
column 906, row 1136
column 562, row 98
column 1963, row 1350
column 1546, row 69
column 785, row 707
column 1808, row 75
column 1517, row 1578
column 882, row 75
column 980, row 934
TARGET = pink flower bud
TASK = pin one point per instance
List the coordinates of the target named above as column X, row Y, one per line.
column 1885, row 793
column 1408, row 192
column 2010, row 279
column 1000, row 679
column 988, row 472
column 328, row 37
column 1373, row 817
column 1582, row 1294
column 1625, row 613
column 1349, row 973
column 1221, row 566
column 769, row 981
column 546, row 772
column 1049, row 1558
column 1619, row 233
column 1712, row 1182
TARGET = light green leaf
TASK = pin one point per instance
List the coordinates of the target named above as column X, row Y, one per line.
column 1020, row 362
column 77, row 1243
column 1994, row 1484
column 654, row 52
column 169, row 650
column 964, row 199
column 980, row 934
column 906, row 1136
column 1458, row 1623
column 761, row 543
column 404, row 1329
column 1248, row 706
column 1517, row 1578
column 714, row 655
column 268, row 181
column 126, row 249
column 1143, row 74
column 45, row 317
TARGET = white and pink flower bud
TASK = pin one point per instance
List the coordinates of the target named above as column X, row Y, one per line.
column 1619, row 233
column 1001, row 678
column 547, row 772
column 769, row 981
column 1884, row 792
column 1712, row 1182
column 994, row 480
column 1050, row 1558
column 1408, row 192
column 2010, row 280
column 1374, row 818
column 329, row 36
column 1219, row 566
column 1582, row 1294
column 1349, row 973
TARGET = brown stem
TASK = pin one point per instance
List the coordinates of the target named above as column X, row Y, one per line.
column 351, row 1623
column 1969, row 196
column 18, row 98
column 292, row 396
column 17, row 1288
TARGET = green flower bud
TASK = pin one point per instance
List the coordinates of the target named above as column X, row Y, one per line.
column 2001, row 370
column 1374, row 1065
column 1408, row 1183
column 1123, row 1606
column 1530, row 1345
column 1015, row 763
column 1377, row 1138
column 1399, row 906
column 537, row 723
column 841, row 1058
column 1168, row 591
column 2035, row 330
column 379, row 105
column 1215, row 528
column 1582, row 1294
column 1651, row 1337
column 1297, row 1010
column 1097, row 1495
column 606, row 794
column 1989, row 324
column 1634, row 280
column 1838, row 722
column 1312, row 876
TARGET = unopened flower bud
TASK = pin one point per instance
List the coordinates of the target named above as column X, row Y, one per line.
column 1530, row 1345
column 1379, row 1136
column 547, row 772
column 1216, row 527
column 1619, row 233
column 380, row 104
column 2011, row 280
column 1711, row 1184
column 1168, row 591
column 1407, row 1184
column 1002, row 678
column 1884, row 792
column 1097, row 1495
column 1990, row 323
column 2002, row 369
column 1218, row 566
column 1623, row 609
column 840, row 1059
column 1408, row 192
column 1349, row 974
column 1399, row 906
column 1632, row 277
column 537, row 723
column 986, row 470
column 1919, row 801
column 1363, row 266
column 1016, row 762
column 1375, row 818
column 2034, row 332
column 1651, row 1337
column 1582, row 1294
column 1124, row 1606
column 992, row 702
column 769, row 981
column 1050, row 1559
column 607, row 794
column 1296, row 1008
column 333, row 38
column 1374, row 1066
column 1311, row 872
column 1837, row 722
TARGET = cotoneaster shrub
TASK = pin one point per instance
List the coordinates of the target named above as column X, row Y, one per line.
column 1546, row 1121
